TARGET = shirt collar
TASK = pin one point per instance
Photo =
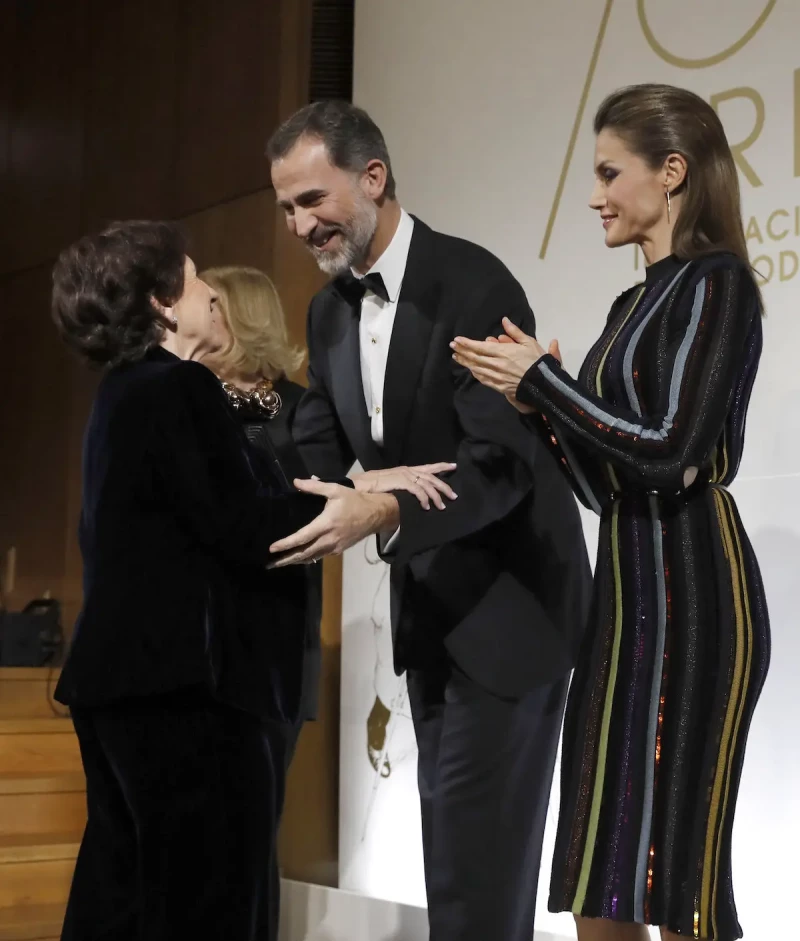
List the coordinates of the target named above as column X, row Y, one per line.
column 391, row 266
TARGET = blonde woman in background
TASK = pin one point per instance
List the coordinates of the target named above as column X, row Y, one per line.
column 253, row 366
column 258, row 357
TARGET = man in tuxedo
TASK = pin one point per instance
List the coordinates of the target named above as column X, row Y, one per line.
column 489, row 595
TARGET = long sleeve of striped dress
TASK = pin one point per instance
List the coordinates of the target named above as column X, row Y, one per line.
column 699, row 355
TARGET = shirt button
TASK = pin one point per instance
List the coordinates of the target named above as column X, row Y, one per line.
column 374, row 340
column 377, row 409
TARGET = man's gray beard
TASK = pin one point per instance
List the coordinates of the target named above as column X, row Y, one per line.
column 356, row 238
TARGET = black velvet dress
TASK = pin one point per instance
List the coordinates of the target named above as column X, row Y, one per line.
column 179, row 690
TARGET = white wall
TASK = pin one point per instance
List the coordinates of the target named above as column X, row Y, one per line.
column 478, row 99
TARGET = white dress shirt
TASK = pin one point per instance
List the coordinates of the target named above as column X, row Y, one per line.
column 377, row 321
column 375, row 333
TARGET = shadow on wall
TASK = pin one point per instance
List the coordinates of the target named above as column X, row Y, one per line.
column 315, row 913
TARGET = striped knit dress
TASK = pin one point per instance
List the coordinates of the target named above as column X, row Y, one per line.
column 651, row 434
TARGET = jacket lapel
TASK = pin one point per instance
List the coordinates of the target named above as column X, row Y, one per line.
column 347, row 387
column 409, row 346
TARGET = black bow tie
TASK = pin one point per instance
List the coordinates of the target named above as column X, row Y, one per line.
column 353, row 289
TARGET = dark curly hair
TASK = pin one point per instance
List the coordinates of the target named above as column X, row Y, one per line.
column 103, row 286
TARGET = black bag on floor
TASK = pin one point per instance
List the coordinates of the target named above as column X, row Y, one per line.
column 33, row 637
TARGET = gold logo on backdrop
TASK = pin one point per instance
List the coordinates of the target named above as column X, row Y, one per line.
column 576, row 124
column 704, row 63
column 680, row 62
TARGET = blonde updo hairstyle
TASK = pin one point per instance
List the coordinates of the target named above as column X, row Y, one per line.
column 259, row 341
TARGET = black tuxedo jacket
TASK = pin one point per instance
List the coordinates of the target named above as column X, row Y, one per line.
column 175, row 530
column 500, row 579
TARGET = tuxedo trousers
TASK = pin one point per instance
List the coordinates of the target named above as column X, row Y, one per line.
column 183, row 794
column 485, row 770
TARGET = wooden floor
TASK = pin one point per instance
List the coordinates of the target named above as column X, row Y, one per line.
column 42, row 807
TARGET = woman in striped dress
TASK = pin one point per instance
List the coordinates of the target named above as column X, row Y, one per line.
column 651, row 435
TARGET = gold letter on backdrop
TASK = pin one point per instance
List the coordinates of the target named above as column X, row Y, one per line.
column 738, row 149
column 777, row 236
column 683, row 63
column 576, row 126
column 797, row 122
column 753, row 231
column 792, row 258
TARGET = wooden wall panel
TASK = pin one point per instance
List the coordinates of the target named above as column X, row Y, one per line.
column 131, row 110
column 81, row 383
column 296, row 276
column 309, row 840
column 309, row 837
column 47, row 89
column 239, row 232
column 295, row 56
column 34, row 431
column 228, row 99
column 7, row 43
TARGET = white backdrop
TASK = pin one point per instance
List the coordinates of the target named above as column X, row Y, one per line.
column 487, row 108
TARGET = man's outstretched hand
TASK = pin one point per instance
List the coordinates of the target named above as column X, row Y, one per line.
column 423, row 481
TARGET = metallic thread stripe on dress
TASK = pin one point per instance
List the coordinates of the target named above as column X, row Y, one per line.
column 597, row 796
column 733, row 715
column 646, row 850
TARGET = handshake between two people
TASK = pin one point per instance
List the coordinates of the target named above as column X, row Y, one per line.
column 368, row 508
column 350, row 515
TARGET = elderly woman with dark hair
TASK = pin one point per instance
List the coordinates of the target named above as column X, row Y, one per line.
column 176, row 696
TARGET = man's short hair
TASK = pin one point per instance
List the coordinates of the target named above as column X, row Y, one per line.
column 349, row 134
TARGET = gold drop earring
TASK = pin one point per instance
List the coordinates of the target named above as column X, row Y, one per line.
column 669, row 208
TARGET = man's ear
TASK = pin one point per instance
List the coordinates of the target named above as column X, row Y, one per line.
column 373, row 179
